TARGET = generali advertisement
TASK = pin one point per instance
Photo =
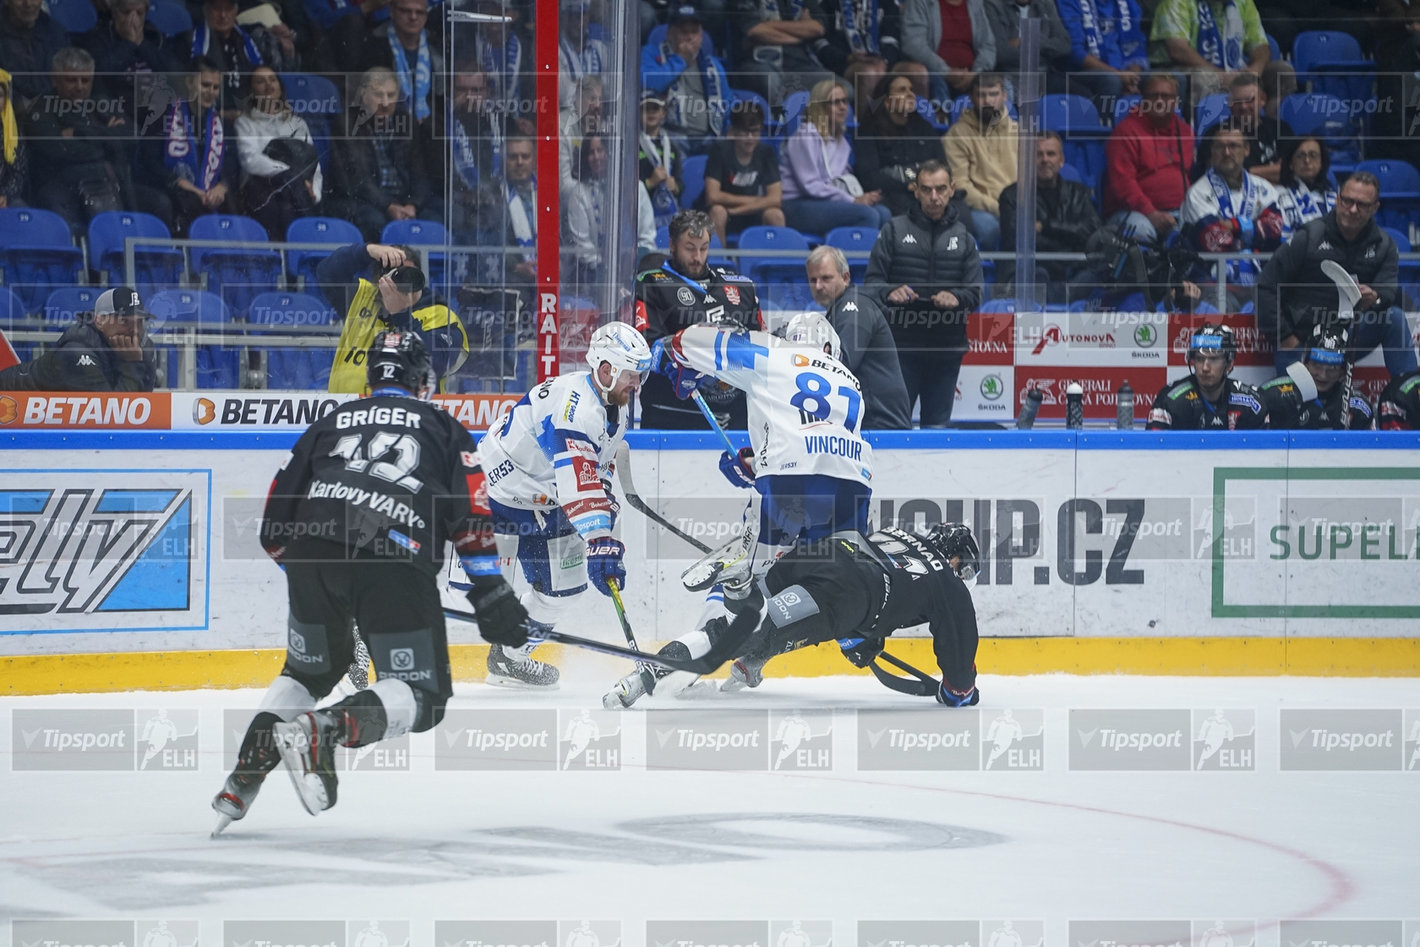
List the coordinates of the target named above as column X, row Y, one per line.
column 142, row 547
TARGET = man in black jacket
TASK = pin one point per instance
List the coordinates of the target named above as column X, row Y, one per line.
column 1064, row 221
column 105, row 350
column 926, row 270
column 868, row 350
column 1293, row 295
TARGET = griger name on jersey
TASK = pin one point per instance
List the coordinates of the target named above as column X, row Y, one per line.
column 384, row 417
column 381, row 503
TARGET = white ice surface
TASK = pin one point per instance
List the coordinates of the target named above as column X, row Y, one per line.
column 842, row 846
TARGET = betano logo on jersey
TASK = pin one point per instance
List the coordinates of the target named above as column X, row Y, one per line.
column 95, row 551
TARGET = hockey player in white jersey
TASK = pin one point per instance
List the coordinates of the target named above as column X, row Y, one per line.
column 808, row 464
column 548, row 463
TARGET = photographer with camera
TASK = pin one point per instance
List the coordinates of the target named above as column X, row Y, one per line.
column 390, row 295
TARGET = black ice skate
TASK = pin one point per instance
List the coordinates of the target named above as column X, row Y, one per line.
column 308, row 749
column 514, row 667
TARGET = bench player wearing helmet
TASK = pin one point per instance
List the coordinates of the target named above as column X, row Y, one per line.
column 1312, row 395
column 358, row 517
column 1209, row 398
column 549, row 462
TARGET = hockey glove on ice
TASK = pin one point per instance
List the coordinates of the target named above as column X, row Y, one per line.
column 604, row 562
column 861, row 652
column 501, row 617
column 738, row 468
column 684, row 380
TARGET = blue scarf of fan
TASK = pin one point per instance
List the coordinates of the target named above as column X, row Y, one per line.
column 1089, row 23
column 418, row 96
column 1222, row 49
column 199, row 161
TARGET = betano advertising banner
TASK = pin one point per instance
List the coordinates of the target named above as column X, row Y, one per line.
column 141, row 547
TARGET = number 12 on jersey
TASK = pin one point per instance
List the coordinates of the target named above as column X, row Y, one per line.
column 814, row 398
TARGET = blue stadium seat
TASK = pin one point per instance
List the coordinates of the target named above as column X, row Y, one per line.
column 1210, row 110
column 317, row 100
column 692, row 179
column 155, row 266
column 1327, row 117
column 296, row 369
column 169, row 18
column 218, row 366
column 1400, row 192
column 1078, row 123
column 62, row 307
column 794, row 105
column 76, row 16
column 332, row 230
column 856, row 243
column 12, row 318
column 425, row 233
column 241, row 273
column 778, row 279
column 38, row 254
column 1330, row 62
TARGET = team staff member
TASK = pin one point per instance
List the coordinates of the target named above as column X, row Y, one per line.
column 685, row 291
column 105, row 350
column 380, row 287
column 1209, row 398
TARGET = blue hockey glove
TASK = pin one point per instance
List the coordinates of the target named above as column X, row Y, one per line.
column 954, row 698
column 684, row 380
column 501, row 617
column 738, row 468
column 861, row 652
column 604, row 563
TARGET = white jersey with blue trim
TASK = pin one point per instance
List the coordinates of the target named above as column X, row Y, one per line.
column 805, row 407
column 555, row 448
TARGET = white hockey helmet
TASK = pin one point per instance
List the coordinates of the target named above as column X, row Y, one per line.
column 813, row 328
column 623, row 348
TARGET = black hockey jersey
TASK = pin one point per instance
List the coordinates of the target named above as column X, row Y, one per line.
column 385, row 477
column 1180, row 406
column 1399, row 405
column 1287, row 411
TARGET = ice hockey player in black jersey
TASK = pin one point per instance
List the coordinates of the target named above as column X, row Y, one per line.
column 358, row 517
column 1399, row 406
column 685, row 291
column 1311, row 394
column 858, row 590
column 1209, row 399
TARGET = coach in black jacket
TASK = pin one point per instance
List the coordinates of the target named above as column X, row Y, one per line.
column 1293, row 294
column 926, row 271
column 105, row 350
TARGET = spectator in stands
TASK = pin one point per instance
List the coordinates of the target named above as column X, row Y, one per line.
column 498, row 50
column 516, row 201
column 742, row 187
column 981, row 151
column 777, row 40
column 690, row 82
column 1064, row 220
column 29, row 38
column 377, row 167
column 14, row 159
column 1148, row 156
column 105, row 350
column 584, row 219
column 1305, row 191
column 280, row 174
column 1293, row 294
column 404, row 45
column 1265, row 131
column 1229, row 210
column 235, row 50
column 1108, row 51
column 1005, row 17
column 1279, row 80
column 81, row 145
column 1208, row 40
column 892, row 141
column 861, row 38
column 130, row 57
column 578, row 54
column 658, row 160
column 820, row 190
column 584, row 117
column 926, row 271
column 953, row 39
column 469, row 133
column 867, row 348
column 190, row 158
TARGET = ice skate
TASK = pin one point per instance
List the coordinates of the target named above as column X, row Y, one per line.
column 514, row 667
column 258, row 756
column 746, row 672
column 625, row 692
column 235, row 799
column 727, row 565
column 308, row 749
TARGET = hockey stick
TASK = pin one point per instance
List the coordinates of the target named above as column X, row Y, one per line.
column 623, row 473
column 704, row 665
column 1348, row 295
column 710, row 416
column 648, row 677
column 924, row 686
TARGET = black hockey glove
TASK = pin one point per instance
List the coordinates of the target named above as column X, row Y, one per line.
column 861, row 652
column 501, row 617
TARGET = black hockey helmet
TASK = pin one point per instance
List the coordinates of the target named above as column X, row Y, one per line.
column 954, row 539
column 1210, row 338
column 1328, row 345
column 400, row 359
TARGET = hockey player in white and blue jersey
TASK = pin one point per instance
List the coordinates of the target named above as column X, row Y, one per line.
column 548, row 464
column 808, row 463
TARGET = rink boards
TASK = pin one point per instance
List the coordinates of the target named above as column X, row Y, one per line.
column 129, row 557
